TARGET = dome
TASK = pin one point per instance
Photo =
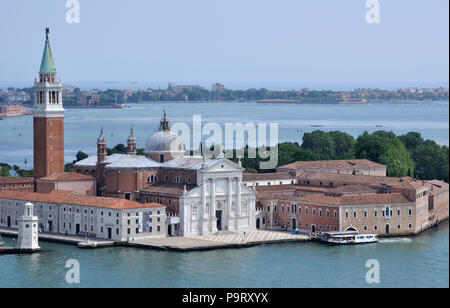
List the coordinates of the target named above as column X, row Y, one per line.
column 164, row 142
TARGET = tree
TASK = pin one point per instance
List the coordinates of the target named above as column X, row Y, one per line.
column 69, row 167
column 320, row 143
column 432, row 161
column 412, row 140
column 343, row 144
column 4, row 169
column 118, row 149
column 80, row 156
column 16, row 169
column 385, row 148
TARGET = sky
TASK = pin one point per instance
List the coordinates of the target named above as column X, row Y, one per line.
column 258, row 42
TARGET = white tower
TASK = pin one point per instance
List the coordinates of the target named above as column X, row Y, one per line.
column 28, row 229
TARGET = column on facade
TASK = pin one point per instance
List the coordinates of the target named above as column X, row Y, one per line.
column 229, row 201
column 212, row 207
column 238, row 210
column 201, row 209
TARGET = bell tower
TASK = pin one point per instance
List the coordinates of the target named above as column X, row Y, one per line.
column 48, row 118
column 101, row 147
column 131, row 143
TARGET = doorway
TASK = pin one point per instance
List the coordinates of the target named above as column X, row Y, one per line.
column 219, row 220
column 77, row 229
column 387, row 229
column 109, row 233
column 313, row 228
column 50, row 226
column 9, row 221
column 294, row 223
column 169, row 230
column 258, row 223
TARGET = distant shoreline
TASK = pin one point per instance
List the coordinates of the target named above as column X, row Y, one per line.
column 284, row 102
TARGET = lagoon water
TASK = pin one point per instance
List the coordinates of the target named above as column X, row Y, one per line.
column 420, row 261
column 82, row 125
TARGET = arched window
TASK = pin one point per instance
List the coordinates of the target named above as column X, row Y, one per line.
column 152, row 179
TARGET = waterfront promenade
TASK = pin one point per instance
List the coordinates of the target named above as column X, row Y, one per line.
column 219, row 241
column 60, row 238
column 207, row 242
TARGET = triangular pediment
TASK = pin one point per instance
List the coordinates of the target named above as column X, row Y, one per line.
column 223, row 165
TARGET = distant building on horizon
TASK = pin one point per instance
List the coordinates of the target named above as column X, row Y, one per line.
column 218, row 87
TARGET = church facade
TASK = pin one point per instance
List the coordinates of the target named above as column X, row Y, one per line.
column 202, row 196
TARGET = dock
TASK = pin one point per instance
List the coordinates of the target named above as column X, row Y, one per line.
column 221, row 240
column 64, row 239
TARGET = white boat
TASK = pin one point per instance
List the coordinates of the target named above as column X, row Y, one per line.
column 348, row 238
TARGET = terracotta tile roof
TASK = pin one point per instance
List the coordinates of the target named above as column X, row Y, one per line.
column 406, row 182
column 311, row 188
column 437, row 186
column 54, row 197
column 267, row 176
column 332, row 164
column 104, row 202
column 15, row 180
column 66, row 176
column 68, row 197
column 167, row 189
column 346, row 199
column 355, row 188
column 275, row 188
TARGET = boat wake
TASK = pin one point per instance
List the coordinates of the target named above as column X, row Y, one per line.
column 395, row 240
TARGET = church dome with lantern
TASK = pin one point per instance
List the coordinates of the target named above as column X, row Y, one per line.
column 164, row 144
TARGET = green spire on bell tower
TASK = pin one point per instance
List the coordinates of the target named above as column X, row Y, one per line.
column 47, row 64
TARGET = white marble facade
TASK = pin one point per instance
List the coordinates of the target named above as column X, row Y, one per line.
column 219, row 203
